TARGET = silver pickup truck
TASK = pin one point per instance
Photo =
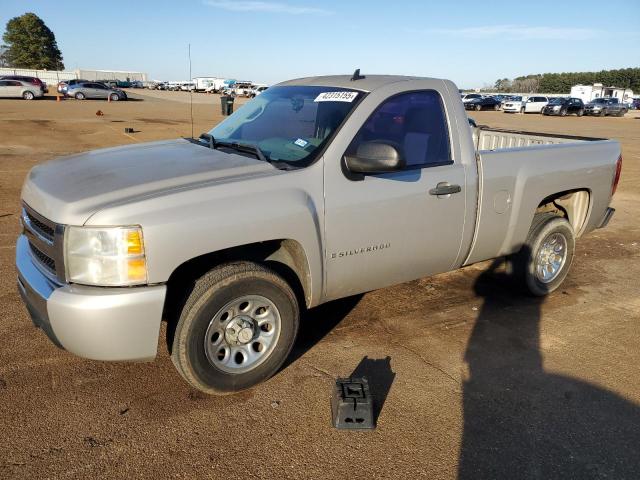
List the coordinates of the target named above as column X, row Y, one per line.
column 319, row 188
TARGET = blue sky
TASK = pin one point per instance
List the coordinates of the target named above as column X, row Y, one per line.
column 470, row 42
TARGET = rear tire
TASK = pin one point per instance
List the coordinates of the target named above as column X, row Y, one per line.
column 563, row 113
column 28, row 95
column 223, row 342
column 544, row 261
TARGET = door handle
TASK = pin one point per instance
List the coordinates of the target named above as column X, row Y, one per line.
column 445, row 188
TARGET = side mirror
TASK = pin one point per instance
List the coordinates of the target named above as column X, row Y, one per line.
column 375, row 157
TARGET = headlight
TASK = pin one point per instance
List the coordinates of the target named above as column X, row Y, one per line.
column 105, row 256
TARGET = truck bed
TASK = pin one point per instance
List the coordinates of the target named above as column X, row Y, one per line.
column 497, row 139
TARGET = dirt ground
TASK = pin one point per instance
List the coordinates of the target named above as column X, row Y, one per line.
column 473, row 380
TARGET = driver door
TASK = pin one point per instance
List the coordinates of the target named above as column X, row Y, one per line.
column 384, row 229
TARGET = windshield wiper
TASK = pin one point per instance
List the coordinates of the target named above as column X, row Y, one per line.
column 209, row 138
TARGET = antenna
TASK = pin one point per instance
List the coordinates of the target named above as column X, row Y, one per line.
column 357, row 76
column 190, row 92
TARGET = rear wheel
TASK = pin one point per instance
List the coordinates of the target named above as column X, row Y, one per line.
column 545, row 259
column 236, row 328
column 80, row 96
column 28, row 95
column 563, row 112
column 602, row 113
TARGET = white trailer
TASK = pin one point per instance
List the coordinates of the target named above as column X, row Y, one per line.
column 209, row 84
column 586, row 93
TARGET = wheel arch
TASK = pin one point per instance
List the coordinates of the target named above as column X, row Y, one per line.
column 574, row 205
column 285, row 256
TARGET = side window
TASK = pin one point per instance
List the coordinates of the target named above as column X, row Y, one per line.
column 414, row 123
column 3, row 83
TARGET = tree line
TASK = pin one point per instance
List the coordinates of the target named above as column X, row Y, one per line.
column 562, row 82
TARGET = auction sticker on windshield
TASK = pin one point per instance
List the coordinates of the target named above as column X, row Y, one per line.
column 336, row 97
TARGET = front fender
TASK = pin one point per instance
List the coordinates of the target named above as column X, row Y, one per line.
column 182, row 225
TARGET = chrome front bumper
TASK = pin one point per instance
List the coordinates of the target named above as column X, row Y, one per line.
column 92, row 322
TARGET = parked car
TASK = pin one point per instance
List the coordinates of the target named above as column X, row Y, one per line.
column 19, row 89
column 29, row 80
column 117, row 240
column 63, row 85
column 484, row 103
column 564, row 106
column 254, row 92
column 470, row 96
column 605, row 106
column 533, row 104
column 81, row 91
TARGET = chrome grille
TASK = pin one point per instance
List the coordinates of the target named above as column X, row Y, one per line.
column 45, row 242
column 48, row 262
column 42, row 228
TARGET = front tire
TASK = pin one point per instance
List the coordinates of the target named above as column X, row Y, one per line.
column 478, row 108
column 544, row 261
column 28, row 95
column 580, row 113
column 80, row 96
column 115, row 97
column 236, row 329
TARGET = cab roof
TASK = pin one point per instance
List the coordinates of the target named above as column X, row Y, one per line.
column 366, row 84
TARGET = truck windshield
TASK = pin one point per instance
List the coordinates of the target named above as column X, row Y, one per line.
column 289, row 123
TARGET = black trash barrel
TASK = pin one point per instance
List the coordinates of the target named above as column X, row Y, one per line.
column 226, row 105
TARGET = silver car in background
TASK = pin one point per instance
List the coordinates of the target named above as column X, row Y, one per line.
column 84, row 90
column 19, row 89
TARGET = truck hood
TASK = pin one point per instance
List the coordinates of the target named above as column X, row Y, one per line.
column 70, row 189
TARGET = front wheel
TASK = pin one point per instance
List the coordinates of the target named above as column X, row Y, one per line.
column 563, row 113
column 114, row 97
column 28, row 95
column 236, row 329
column 478, row 108
column 496, row 107
column 544, row 261
column 580, row 113
column 80, row 96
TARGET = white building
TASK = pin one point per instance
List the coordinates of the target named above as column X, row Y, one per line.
column 52, row 77
column 590, row 92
